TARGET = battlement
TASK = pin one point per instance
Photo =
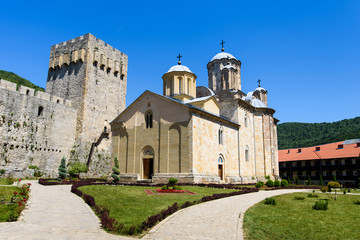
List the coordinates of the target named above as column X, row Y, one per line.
column 88, row 48
column 23, row 90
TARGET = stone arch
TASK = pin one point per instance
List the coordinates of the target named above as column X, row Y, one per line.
column 147, row 157
column 174, row 149
column 221, row 166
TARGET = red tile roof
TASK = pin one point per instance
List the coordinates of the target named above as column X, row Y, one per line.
column 327, row 151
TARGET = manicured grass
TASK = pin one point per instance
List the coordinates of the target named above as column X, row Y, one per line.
column 4, row 181
column 295, row 219
column 131, row 206
column 7, row 209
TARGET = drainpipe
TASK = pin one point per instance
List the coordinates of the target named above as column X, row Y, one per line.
column 238, row 130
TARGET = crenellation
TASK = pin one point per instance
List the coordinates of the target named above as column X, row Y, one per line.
column 26, row 90
column 8, row 85
column 43, row 95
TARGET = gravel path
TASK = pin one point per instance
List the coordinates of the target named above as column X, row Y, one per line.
column 56, row 213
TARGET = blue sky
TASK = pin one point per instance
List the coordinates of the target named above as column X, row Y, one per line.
column 305, row 52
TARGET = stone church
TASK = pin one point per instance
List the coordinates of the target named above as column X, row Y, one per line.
column 216, row 134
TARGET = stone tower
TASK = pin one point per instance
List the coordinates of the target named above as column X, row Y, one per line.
column 224, row 72
column 93, row 75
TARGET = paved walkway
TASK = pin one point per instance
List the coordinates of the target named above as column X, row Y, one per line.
column 56, row 213
column 218, row 219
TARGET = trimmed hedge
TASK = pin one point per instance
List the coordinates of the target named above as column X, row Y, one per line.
column 112, row 225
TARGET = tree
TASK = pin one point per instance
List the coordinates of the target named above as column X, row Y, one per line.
column 116, row 172
column 309, row 180
column 62, row 169
column 321, row 181
column 297, row 181
column 334, row 185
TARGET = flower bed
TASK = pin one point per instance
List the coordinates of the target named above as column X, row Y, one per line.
column 169, row 191
column 51, row 182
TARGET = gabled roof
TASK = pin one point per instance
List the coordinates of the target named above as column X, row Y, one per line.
column 326, row 151
column 174, row 100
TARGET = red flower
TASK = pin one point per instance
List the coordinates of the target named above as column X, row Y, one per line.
column 19, row 179
column 15, row 193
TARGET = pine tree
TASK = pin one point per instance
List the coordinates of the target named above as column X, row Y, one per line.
column 309, row 180
column 116, row 172
column 62, row 169
column 297, row 181
column 321, row 181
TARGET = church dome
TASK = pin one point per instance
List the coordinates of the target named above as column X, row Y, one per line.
column 260, row 89
column 257, row 103
column 179, row 68
column 223, row 55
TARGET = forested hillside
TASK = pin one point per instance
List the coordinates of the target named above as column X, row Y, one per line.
column 12, row 77
column 293, row 134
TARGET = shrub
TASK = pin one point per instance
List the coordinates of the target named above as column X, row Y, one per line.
column 321, row 205
column 177, row 188
column 284, row 183
column 116, row 172
column 312, row 195
column 76, row 168
column 270, row 201
column 165, row 187
column 288, row 180
column 2, row 171
column 333, row 185
column 173, row 181
column 62, row 169
column 309, row 180
column 324, row 189
column 357, row 202
column 344, row 191
column 321, row 181
column 297, row 181
column 267, row 177
column 33, row 167
column 259, row 184
column 299, row 198
column 270, row 183
column 277, row 183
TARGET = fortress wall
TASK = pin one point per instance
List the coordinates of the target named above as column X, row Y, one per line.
column 31, row 136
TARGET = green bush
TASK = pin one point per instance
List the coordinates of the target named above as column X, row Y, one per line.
column 267, row 177
column 357, row 202
column 173, row 181
column 269, row 183
column 312, row 195
column 321, row 181
column 277, row 183
column 299, row 198
column 344, row 191
column 177, row 188
column 284, row 183
column 324, row 189
column 270, row 201
column 333, row 185
column 62, row 168
column 297, row 181
column 309, row 180
column 76, row 168
column 116, row 172
column 321, row 205
column 259, row 184
column 33, row 167
column 2, row 171
column 165, row 187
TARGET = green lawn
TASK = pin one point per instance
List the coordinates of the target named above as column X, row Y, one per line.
column 7, row 209
column 295, row 219
column 4, row 181
column 130, row 205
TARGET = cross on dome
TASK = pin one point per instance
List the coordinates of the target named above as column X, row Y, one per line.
column 179, row 56
column 259, row 81
column 222, row 45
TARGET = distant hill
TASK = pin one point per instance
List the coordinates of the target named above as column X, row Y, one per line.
column 293, row 134
column 12, row 77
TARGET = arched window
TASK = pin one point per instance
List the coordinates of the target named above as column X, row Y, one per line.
column 220, row 159
column 149, row 119
column 247, row 153
column 27, row 92
column 188, row 86
column 221, row 135
column 245, row 120
column 40, row 111
column 180, row 84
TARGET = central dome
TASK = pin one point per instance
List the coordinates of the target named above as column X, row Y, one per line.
column 223, row 55
column 179, row 68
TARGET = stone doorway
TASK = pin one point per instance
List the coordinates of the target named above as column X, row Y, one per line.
column 221, row 171
column 148, row 165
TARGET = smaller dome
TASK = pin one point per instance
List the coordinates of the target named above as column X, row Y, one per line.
column 223, row 55
column 179, row 68
column 260, row 89
column 229, row 67
column 257, row 103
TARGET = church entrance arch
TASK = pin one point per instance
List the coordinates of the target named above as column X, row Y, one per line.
column 221, row 167
column 148, row 162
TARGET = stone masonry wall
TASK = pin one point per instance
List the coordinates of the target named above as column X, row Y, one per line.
column 36, row 129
